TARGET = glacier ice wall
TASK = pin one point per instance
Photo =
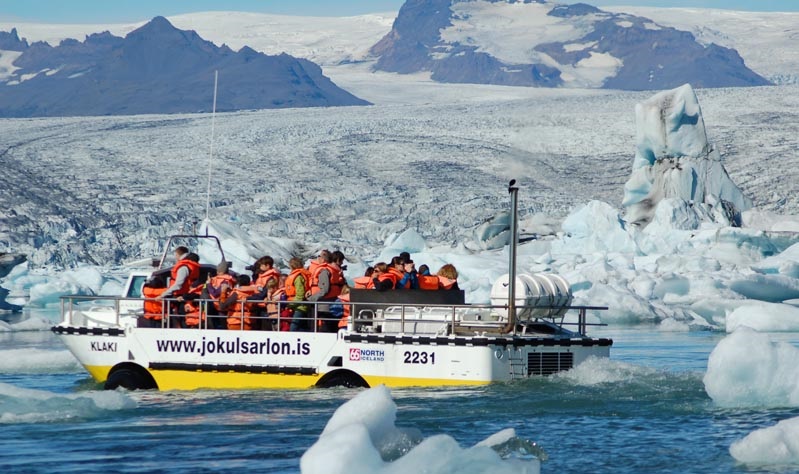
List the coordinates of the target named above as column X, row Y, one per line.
column 674, row 159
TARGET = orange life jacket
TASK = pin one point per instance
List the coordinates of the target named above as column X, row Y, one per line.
column 392, row 275
column 264, row 277
column 153, row 309
column 289, row 288
column 193, row 313
column 194, row 274
column 192, row 308
column 337, row 281
column 446, row 283
column 428, row 282
column 242, row 309
column 400, row 275
column 363, row 283
column 273, row 305
column 217, row 281
column 347, row 308
column 331, row 292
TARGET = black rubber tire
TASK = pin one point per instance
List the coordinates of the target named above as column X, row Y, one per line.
column 130, row 379
column 342, row 378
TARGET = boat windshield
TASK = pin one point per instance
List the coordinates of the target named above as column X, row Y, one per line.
column 134, row 291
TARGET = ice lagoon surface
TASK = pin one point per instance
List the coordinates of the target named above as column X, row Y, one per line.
column 687, row 388
column 644, row 410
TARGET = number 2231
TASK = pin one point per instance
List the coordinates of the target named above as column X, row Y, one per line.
column 417, row 357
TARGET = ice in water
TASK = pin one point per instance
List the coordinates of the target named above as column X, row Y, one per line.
column 361, row 437
column 747, row 368
column 778, row 444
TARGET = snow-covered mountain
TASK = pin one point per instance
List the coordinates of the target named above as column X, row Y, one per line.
column 323, row 40
column 156, row 68
column 336, row 42
column 766, row 40
column 536, row 43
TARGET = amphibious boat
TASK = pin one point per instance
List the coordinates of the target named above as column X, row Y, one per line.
column 397, row 338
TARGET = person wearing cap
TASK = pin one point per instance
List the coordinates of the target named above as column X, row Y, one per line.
column 409, row 280
column 321, row 288
column 337, row 280
column 214, row 288
column 184, row 273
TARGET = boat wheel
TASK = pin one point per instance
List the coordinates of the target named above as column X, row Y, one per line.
column 342, row 378
column 130, row 377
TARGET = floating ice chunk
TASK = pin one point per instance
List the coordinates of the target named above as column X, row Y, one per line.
column 81, row 281
column 32, row 323
column 494, row 233
column 674, row 160
column 775, row 445
column 624, row 306
column 672, row 325
column 408, row 241
column 774, row 288
column 766, row 221
column 747, row 369
column 241, row 247
column 767, row 317
column 36, row 361
column 594, row 227
column 785, row 263
column 21, row 405
column 361, row 438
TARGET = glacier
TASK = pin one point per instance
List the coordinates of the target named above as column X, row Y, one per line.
column 440, row 165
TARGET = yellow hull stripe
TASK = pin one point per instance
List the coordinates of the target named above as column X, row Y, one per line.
column 190, row 380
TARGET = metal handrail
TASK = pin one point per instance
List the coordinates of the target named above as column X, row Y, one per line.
column 71, row 301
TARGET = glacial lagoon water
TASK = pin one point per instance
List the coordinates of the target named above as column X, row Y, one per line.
column 644, row 411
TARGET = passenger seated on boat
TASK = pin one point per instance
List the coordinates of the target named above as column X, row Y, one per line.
column 322, row 289
column 295, row 287
column 409, row 278
column 213, row 291
column 448, row 277
column 153, row 307
column 381, row 280
column 396, row 271
column 235, row 304
column 264, row 271
column 275, row 296
column 426, row 280
column 223, row 275
column 364, row 282
column 337, row 280
column 344, row 299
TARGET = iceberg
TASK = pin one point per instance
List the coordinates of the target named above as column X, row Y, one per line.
column 674, row 159
column 765, row 317
column 775, row 445
column 748, row 369
column 23, row 405
column 361, row 437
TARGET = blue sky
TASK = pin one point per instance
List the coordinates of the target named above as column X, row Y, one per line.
column 92, row 11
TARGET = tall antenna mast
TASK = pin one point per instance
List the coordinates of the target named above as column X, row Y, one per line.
column 211, row 154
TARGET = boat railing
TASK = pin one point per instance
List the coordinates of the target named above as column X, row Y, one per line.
column 449, row 319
